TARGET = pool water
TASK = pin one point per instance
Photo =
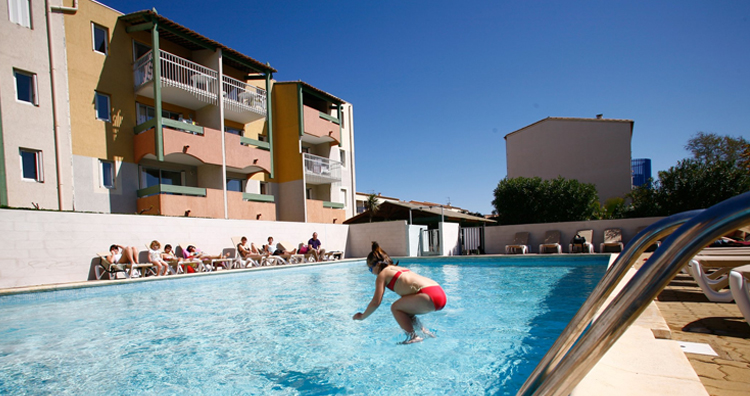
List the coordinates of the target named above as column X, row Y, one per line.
column 289, row 331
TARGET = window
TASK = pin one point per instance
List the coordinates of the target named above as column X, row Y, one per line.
column 262, row 138
column 139, row 49
column 344, row 197
column 152, row 177
column 31, row 165
column 342, row 154
column 26, row 87
column 308, row 193
column 19, row 11
column 107, row 169
column 235, row 185
column 233, row 131
column 102, row 107
column 145, row 113
column 265, row 188
column 100, row 37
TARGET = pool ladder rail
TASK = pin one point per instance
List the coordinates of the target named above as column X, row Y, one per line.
column 575, row 353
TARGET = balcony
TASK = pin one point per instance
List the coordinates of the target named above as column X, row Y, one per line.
column 194, row 146
column 320, row 127
column 321, row 170
column 193, row 86
column 247, row 155
column 325, row 212
column 169, row 200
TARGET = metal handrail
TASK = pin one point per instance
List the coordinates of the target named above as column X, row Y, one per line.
column 599, row 295
column 644, row 287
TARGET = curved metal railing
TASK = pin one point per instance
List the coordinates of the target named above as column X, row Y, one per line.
column 565, row 365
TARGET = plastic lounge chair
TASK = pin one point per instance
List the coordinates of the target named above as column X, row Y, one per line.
column 130, row 271
column 520, row 244
column 738, row 284
column 333, row 255
column 551, row 241
column 612, row 241
column 252, row 260
column 587, row 247
column 291, row 258
column 197, row 265
column 712, row 283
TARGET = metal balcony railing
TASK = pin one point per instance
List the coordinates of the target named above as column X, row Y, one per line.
column 321, row 170
column 240, row 97
column 179, row 73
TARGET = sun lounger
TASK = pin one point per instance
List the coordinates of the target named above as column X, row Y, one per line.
column 551, row 241
column 710, row 273
column 520, row 244
column 333, row 255
column 112, row 269
column 291, row 258
column 587, row 247
column 252, row 260
column 738, row 284
column 612, row 241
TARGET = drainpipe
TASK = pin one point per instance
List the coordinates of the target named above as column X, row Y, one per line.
column 269, row 118
column 220, row 94
column 158, row 128
column 56, row 124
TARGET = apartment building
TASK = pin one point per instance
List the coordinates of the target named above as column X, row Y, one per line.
column 590, row 150
column 315, row 132
column 34, row 131
column 161, row 120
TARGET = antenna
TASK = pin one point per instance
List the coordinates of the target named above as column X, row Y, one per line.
column 449, row 201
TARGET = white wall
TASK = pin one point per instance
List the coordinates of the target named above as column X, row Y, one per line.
column 390, row 235
column 57, row 247
column 414, row 233
column 497, row 237
column 450, row 244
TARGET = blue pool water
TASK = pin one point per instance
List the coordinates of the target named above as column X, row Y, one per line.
column 289, row 331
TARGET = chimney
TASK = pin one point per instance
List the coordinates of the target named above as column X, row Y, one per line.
column 599, row 116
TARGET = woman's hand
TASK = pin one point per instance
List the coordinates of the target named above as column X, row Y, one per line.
column 358, row 316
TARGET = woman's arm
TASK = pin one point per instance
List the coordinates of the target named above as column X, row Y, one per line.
column 376, row 299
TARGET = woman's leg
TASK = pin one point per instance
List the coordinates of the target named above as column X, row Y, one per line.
column 404, row 310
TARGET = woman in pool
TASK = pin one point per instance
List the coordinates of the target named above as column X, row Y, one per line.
column 419, row 295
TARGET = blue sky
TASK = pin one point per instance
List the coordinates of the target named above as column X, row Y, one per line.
column 436, row 85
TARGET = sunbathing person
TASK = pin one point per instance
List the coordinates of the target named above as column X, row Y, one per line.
column 196, row 254
column 169, row 257
column 124, row 255
column 154, row 257
column 419, row 294
column 278, row 250
column 248, row 252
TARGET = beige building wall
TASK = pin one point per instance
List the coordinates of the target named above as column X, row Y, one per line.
column 589, row 150
column 31, row 126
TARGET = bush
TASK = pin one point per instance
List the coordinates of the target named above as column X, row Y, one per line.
column 523, row 200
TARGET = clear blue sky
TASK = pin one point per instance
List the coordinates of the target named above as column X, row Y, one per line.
column 436, row 85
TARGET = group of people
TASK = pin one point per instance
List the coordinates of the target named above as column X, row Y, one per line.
column 192, row 256
column 311, row 249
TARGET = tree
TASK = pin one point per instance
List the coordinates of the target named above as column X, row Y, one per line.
column 524, row 200
column 710, row 148
column 371, row 205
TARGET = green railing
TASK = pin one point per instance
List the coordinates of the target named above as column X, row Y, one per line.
column 258, row 197
column 258, row 143
column 329, row 118
column 169, row 123
column 170, row 189
column 333, row 205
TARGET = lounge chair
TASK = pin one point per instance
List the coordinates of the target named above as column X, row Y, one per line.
column 612, row 241
column 292, row 258
column 112, row 269
column 196, row 264
column 710, row 273
column 333, row 255
column 520, row 244
column 252, row 260
column 551, row 241
column 587, row 247
column 738, row 284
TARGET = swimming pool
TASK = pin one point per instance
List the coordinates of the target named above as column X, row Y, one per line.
column 289, row 331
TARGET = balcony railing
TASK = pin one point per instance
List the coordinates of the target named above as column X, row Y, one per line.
column 321, row 170
column 239, row 97
column 171, row 189
column 179, row 73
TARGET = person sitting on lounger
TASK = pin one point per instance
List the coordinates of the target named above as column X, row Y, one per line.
column 313, row 245
column 196, row 254
column 249, row 252
column 419, row 294
column 122, row 255
column 278, row 250
column 154, row 257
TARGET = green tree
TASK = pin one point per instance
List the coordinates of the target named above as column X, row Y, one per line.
column 371, row 205
column 711, row 148
column 523, row 200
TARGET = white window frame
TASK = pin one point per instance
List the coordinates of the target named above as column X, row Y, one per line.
column 19, row 12
column 109, row 106
column 345, row 199
column 112, row 174
column 95, row 26
column 39, row 168
column 34, row 86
